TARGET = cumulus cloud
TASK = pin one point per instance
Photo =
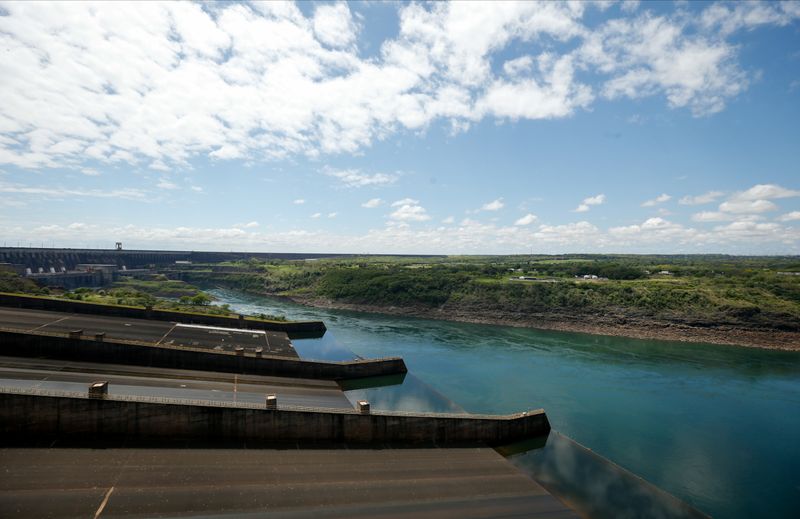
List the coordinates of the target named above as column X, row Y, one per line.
column 653, row 234
column 766, row 192
column 157, row 85
column 355, row 178
column 449, row 220
column 705, row 198
column 652, row 56
column 332, row 215
column 590, row 201
column 657, row 200
column 409, row 210
column 299, row 201
column 405, row 201
column 790, row 217
column 527, row 219
column 334, row 25
column 494, row 205
column 747, row 206
column 250, row 225
column 316, row 215
column 372, row 203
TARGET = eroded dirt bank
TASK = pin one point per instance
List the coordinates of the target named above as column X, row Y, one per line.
column 614, row 325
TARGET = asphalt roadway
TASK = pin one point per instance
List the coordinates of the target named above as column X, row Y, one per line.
column 278, row 483
column 155, row 332
column 54, row 375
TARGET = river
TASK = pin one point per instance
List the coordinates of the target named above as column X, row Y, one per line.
column 717, row 426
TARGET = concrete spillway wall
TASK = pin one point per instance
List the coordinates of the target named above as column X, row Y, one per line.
column 27, row 415
column 295, row 330
column 57, row 346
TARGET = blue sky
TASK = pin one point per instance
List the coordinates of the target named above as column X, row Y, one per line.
column 402, row 127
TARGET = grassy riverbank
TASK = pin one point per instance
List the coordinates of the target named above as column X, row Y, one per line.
column 753, row 301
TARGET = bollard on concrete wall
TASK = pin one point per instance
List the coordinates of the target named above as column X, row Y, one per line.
column 75, row 334
column 272, row 402
column 362, row 406
column 259, row 351
column 239, row 351
column 98, row 389
column 99, row 337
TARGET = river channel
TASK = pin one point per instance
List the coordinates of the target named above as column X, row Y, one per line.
column 716, row 426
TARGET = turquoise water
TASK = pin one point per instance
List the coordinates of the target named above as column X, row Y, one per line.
column 716, row 426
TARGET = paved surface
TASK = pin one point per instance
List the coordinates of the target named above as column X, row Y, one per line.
column 464, row 482
column 158, row 332
column 154, row 382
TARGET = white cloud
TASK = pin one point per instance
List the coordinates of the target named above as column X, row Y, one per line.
column 409, row 210
column 299, row 201
column 651, row 55
column 449, row 220
column 316, row 215
column 166, row 184
column 494, row 205
column 516, row 66
column 655, row 229
column 405, row 201
column 527, row 219
column 372, row 203
column 159, row 84
column 251, row 225
column 196, row 189
column 730, row 17
column 355, row 178
column 60, row 193
column 712, row 216
column 334, row 25
column 332, row 215
column 790, row 217
column 654, row 235
column 766, row 192
column 657, row 200
column 590, row 201
column 744, row 206
column 706, row 198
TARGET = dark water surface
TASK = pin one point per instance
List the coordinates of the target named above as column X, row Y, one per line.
column 716, row 426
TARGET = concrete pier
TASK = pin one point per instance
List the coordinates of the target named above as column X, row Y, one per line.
column 61, row 346
column 60, row 415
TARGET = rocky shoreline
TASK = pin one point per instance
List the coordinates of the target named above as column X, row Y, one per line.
column 620, row 326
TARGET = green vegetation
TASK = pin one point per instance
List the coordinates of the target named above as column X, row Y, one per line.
column 12, row 282
column 703, row 290
column 157, row 292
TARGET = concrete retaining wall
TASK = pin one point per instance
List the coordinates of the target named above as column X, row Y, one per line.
column 57, row 346
column 34, row 416
column 295, row 330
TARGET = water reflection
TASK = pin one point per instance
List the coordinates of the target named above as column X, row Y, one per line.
column 412, row 395
column 593, row 486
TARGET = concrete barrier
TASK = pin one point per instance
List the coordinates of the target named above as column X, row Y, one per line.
column 17, row 343
column 30, row 414
column 295, row 330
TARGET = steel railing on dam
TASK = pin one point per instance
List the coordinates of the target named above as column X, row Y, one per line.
column 61, row 346
column 33, row 413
